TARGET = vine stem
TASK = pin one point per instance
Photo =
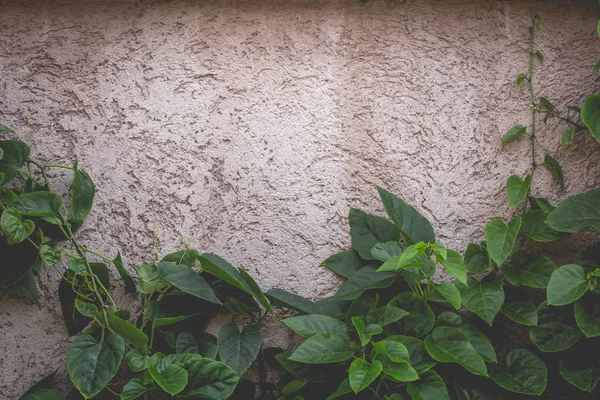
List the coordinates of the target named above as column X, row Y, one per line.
column 532, row 93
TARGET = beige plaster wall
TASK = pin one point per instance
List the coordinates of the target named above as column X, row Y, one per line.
column 251, row 127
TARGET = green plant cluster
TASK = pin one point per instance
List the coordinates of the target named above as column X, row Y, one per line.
column 513, row 323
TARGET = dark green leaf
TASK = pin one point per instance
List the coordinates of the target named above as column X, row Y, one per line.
column 367, row 230
column 484, row 298
column 365, row 332
column 172, row 379
column 534, row 226
column 455, row 266
column 92, row 364
column 517, row 189
column 186, row 343
column 7, row 196
column 186, row 257
column 413, row 226
column 450, row 293
column 529, row 270
column 82, row 194
column 478, row 340
column 567, row 284
column 293, row 387
column 577, row 212
column 362, row 374
column 187, row 280
column 366, row 278
column 38, row 204
column 42, row 394
column 521, row 372
column 520, row 78
column 420, row 319
column 343, row 389
column 208, row 346
column 450, row 345
column 429, row 387
column 580, row 366
column 255, row 290
column 520, row 309
column 308, row 325
column 318, row 373
column 385, row 251
column 13, row 226
column 238, row 349
column 587, row 315
column 293, row 301
column 477, row 259
column 386, row 315
column 556, row 330
column 419, row 357
column 14, row 155
column 500, row 239
column 345, row 263
column 86, row 309
column 590, row 115
column 124, row 274
column 220, row 268
column 556, row 170
column 324, row 348
column 513, row 134
column 159, row 318
column 133, row 389
column 127, row 330
column 26, row 288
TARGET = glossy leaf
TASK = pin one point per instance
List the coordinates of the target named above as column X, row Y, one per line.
column 324, row 348
column 367, row 230
column 576, row 212
column 449, row 292
column 567, row 284
column 366, row 278
column 455, row 266
column 172, row 379
column 556, row 330
column 418, row 355
column 500, row 239
column 133, row 389
column 590, row 115
column 92, row 364
column 186, row 256
column 309, row 325
column 399, row 371
column 13, row 226
column 521, row 372
column 255, row 290
column 239, row 349
column 38, row 204
column 345, row 263
column 429, row 387
column 413, row 226
column 385, row 251
column 365, row 332
column 513, row 134
column 362, row 374
column 86, row 309
column 187, row 280
column 478, row 340
column 484, row 298
column 556, row 170
column 517, row 189
column 450, row 345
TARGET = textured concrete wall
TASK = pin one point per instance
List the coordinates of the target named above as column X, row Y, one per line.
column 251, row 127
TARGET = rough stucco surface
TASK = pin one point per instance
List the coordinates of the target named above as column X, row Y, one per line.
column 251, row 127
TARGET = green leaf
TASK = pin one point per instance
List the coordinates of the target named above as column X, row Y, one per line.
column 517, row 189
column 86, row 309
column 208, row 346
column 82, row 194
column 418, row 355
column 455, row 266
column 4, row 129
column 597, row 66
column 367, row 230
column 399, row 371
column 521, row 372
column 429, row 387
column 576, row 212
column 160, row 318
column 92, row 364
column 42, row 394
column 343, row 389
column 556, row 170
column 133, row 389
column 450, row 345
column 567, row 284
column 186, row 257
column 14, row 155
column 220, row 268
column 256, row 291
column 239, row 349
column 15, row 229
column 449, row 292
column 477, row 259
column 394, row 350
column 513, row 134
column 7, row 196
column 529, row 270
column 186, row 343
column 38, row 204
column 540, row 56
column 366, row 278
column 365, row 332
column 556, row 330
column 127, row 330
column 521, row 310
column 590, row 115
column 324, row 348
column 172, row 379
column 534, row 226
column 317, row 373
column 362, row 374
column 420, row 319
column 187, row 280
column 484, row 298
column 309, row 325
column 500, row 239
column 520, row 78
column 50, row 255
column 293, row 387
column 567, row 136
column 385, row 251
column 26, row 288
column 581, row 366
column 478, row 340
column 386, row 315
column 124, row 274
column 345, row 263
column 293, row 301
column 413, row 226
column 587, row 315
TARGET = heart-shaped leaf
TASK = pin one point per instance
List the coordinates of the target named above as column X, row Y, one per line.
column 517, row 189
column 309, row 325
column 576, row 212
column 324, row 348
column 239, row 349
column 580, row 366
column 477, row 259
column 367, row 230
column 450, row 345
column 345, row 263
column 15, row 229
column 430, row 386
column 587, row 315
column 513, row 134
column 172, row 379
column 455, row 266
column 449, row 292
column 556, row 330
column 529, row 270
column 567, row 284
column 484, row 298
column 500, row 239
column 362, row 374
column 478, row 340
column 187, row 280
column 521, row 372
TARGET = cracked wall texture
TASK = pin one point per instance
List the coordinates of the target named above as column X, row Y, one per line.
column 251, row 127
